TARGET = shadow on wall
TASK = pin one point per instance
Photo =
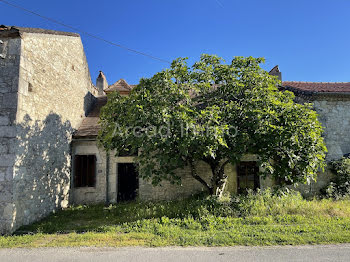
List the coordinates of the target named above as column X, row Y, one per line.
column 89, row 102
column 42, row 169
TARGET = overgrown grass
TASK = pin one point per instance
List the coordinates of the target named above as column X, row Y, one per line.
column 256, row 219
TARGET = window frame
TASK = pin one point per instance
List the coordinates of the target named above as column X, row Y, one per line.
column 87, row 183
column 256, row 177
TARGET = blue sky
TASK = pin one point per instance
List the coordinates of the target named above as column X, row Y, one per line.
column 309, row 40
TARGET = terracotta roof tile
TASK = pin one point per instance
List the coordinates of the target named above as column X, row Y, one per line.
column 318, row 87
column 90, row 126
column 121, row 86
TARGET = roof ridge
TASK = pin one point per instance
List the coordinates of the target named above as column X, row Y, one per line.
column 4, row 29
column 122, row 85
column 318, row 87
column 310, row 82
column 120, row 81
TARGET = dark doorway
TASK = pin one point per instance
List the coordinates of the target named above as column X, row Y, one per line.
column 247, row 176
column 128, row 182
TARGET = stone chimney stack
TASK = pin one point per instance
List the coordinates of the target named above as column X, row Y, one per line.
column 276, row 72
column 101, row 83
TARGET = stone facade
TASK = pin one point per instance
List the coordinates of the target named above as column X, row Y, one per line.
column 107, row 178
column 9, row 77
column 46, row 91
column 334, row 114
column 49, row 114
column 88, row 195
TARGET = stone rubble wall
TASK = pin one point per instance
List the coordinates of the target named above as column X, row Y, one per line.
column 190, row 186
column 9, row 71
column 54, row 93
column 147, row 192
column 90, row 195
column 334, row 115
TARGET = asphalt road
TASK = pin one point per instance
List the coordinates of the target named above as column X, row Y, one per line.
column 134, row 254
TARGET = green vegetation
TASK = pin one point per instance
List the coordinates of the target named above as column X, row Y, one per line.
column 254, row 219
column 339, row 186
column 214, row 112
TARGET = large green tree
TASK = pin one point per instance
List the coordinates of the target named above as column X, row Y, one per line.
column 214, row 112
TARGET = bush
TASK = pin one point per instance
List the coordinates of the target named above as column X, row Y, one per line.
column 339, row 187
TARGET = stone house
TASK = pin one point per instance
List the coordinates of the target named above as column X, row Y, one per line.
column 49, row 112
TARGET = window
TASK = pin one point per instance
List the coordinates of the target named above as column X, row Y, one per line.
column 247, row 176
column 84, row 170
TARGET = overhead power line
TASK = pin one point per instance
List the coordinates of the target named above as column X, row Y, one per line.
column 85, row 33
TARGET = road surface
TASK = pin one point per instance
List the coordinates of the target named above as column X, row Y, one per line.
column 169, row 254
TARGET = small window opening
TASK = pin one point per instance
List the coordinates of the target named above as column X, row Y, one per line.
column 84, row 171
column 247, row 176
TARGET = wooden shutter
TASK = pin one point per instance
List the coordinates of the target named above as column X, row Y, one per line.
column 77, row 171
column 91, row 170
column 84, row 170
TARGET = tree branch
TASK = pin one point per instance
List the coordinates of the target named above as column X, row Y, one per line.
column 198, row 178
column 223, row 166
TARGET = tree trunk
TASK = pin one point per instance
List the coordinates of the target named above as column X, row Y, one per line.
column 219, row 187
column 219, row 179
column 198, row 178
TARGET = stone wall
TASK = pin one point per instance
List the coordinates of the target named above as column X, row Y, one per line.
column 9, row 71
column 53, row 93
column 334, row 115
column 147, row 192
column 190, row 186
column 168, row 191
column 88, row 195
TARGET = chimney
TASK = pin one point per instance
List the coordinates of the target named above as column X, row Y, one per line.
column 101, row 83
column 276, row 72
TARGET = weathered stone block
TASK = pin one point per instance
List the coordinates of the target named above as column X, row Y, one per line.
column 3, row 149
column 14, row 47
column 9, row 212
column 9, row 100
column 4, row 120
column 9, row 173
column 7, row 131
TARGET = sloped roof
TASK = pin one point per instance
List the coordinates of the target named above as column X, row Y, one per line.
column 318, row 87
column 90, row 126
column 121, row 86
column 16, row 30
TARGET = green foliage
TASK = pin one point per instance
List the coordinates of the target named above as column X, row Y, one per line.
column 254, row 204
column 214, row 112
column 260, row 218
column 339, row 187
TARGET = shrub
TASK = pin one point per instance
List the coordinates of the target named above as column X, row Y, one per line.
column 339, row 187
column 266, row 203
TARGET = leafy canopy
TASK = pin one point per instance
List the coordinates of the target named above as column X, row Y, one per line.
column 214, row 112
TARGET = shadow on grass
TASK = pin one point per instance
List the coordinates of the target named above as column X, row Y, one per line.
column 99, row 218
column 203, row 212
